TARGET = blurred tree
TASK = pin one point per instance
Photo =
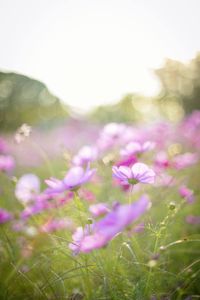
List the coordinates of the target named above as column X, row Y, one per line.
column 25, row 100
column 181, row 83
column 122, row 111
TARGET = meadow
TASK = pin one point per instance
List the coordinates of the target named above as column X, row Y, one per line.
column 105, row 212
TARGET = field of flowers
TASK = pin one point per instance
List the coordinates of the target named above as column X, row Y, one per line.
column 111, row 213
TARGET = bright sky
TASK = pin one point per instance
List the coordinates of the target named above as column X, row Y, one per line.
column 90, row 52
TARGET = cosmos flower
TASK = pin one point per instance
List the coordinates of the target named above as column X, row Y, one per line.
column 5, row 216
column 135, row 148
column 185, row 160
column 187, row 194
column 85, row 155
column 41, row 204
column 139, row 172
column 162, row 160
column 27, row 187
column 56, row 224
column 100, row 233
column 75, row 177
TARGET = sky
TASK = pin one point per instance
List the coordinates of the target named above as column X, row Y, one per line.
column 93, row 52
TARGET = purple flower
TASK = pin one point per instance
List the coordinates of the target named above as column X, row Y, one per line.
column 40, row 205
column 5, row 216
column 27, row 187
column 139, row 172
column 75, row 177
column 100, row 233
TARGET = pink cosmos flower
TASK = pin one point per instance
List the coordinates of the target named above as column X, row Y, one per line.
column 111, row 134
column 100, row 233
column 139, row 172
column 27, row 188
column 56, row 224
column 135, row 147
column 5, row 216
column 85, row 155
column 75, row 177
column 162, row 160
column 42, row 203
column 7, row 163
column 99, row 209
column 187, row 194
column 185, row 160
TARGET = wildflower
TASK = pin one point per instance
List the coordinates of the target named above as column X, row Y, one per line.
column 85, row 155
column 186, row 193
column 161, row 160
column 139, row 172
column 111, row 135
column 100, row 233
column 27, row 187
column 135, row 148
column 5, row 216
column 75, row 177
column 41, row 203
column 185, row 160
column 56, row 224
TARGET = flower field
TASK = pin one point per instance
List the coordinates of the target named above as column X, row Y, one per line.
column 105, row 212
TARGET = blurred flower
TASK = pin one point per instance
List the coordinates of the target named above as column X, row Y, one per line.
column 75, row 177
column 7, row 163
column 139, row 172
column 37, row 207
column 161, row 160
column 110, row 135
column 100, row 233
column 99, row 209
column 5, row 216
column 187, row 194
column 86, row 195
column 27, row 187
column 85, row 155
column 185, row 160
column 135, row 148
column 56, row 224
column 195, row 220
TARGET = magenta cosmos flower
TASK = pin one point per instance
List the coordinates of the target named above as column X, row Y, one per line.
column 100, row 233
column 139, row 172
column 75, row 177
